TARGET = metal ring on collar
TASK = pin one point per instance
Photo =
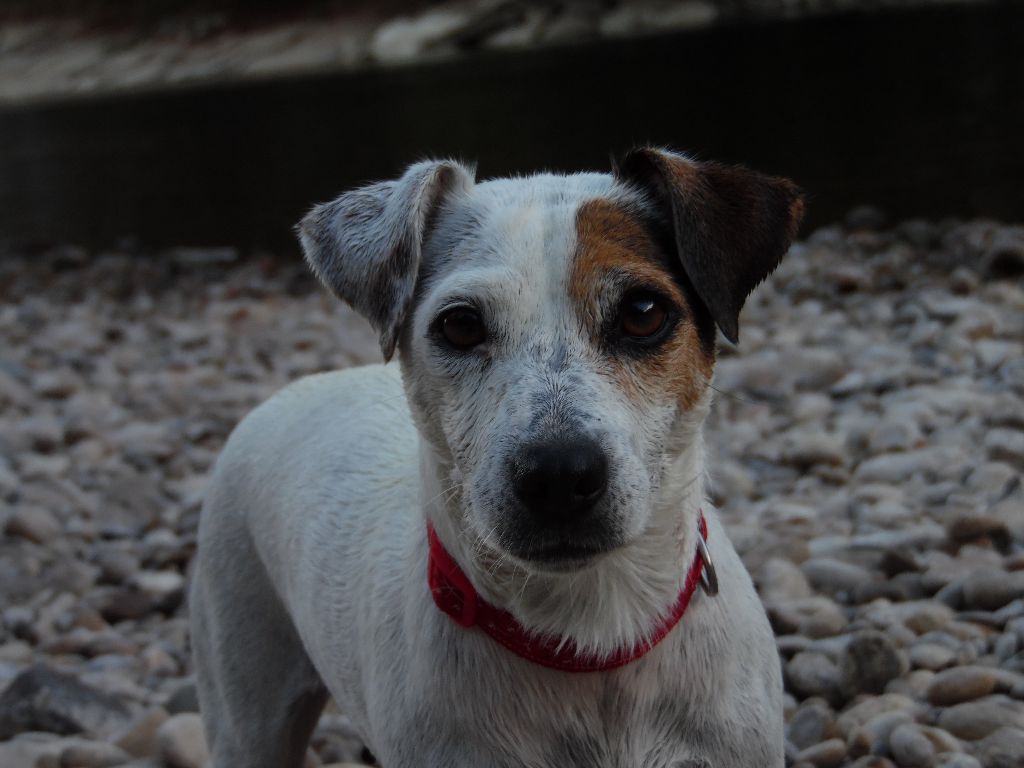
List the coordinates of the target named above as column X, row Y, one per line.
column 708, row 575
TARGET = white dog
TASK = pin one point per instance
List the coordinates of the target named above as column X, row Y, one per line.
column 491, row 555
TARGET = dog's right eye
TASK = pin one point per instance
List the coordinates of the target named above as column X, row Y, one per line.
column 463, row 327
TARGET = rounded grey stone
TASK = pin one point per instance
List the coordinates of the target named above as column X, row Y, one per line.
column 910, row 748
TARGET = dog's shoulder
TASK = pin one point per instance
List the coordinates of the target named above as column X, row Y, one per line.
column 376, row 389
column 337, row 412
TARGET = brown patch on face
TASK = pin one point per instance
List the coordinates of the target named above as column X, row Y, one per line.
column 614, row 254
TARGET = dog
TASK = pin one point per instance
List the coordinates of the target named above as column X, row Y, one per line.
column 499, row 553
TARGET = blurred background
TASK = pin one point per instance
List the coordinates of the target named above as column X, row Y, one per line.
column 867, row 443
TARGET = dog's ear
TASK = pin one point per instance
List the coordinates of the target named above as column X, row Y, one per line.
column 365, row 246
column 732, row 226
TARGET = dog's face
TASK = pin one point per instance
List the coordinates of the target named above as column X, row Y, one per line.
column 556, row 332
column 554, row 352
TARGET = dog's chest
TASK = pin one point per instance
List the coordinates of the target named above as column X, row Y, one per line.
column 620, row 728
column 529, row 719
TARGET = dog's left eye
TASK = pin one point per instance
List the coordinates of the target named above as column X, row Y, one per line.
column 642, row 315
column 463, row 327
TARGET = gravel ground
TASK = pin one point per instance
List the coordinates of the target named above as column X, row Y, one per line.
column 867, row 451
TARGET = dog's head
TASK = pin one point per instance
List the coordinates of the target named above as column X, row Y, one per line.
column 556, row 333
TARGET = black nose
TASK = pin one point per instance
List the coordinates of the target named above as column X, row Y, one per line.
column 561, row 479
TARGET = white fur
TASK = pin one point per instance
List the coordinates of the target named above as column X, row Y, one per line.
column 311, row 573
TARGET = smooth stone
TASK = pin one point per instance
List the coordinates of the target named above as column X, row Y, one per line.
column 1003, row 748
column 121, row 603
column 36, row 524
column 811, row 724
column 805, row 448
column 782, row 580
column 970, row 527
column 896, row 434
column 139, row 738
column 873, row 736
column 165, row 588
column 910, row 748
column 827, row 754
column 920, row 616
column 974, row 720
column 914, row 685
column 813, row 674
column 93, row 755
column 814, row 617
column 957, row 760
column 931, row 656
column 959, row 684
column 860, row 713
column 834, row 577
column 901, row 467
column 1005, row 646
column 790, row 645
column 868, row 662
column 1007, row 445
column 988, row 589
column 941, row 740
column 182, row 742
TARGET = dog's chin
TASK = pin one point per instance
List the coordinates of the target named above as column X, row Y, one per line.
column 565, row 557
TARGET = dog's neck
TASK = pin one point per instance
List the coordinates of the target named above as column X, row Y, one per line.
column 615, row 602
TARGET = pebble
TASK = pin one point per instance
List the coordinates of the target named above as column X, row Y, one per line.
column 94, row 754
column 828, row 754
column 811, row 724
column 782, row 580
column 959, row 684
column 1006, row 445
column 942, row 741
column 36, row 524
column 1003, row 748
column 988, row 589
column 835, row 577
column 139, row 737
column 957, row 760
column 931, row 656
column 915, row 684
column 869, row 660
column 974, row 720
column 181, row 742
column 813, row 674
column 873, row 736
column 858, row 714
column 910, row 748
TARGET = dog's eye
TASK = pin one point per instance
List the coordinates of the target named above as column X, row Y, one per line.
column 642, row 315
column 463, row 327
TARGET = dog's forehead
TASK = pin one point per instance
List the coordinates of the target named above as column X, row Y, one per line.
column 535, row 227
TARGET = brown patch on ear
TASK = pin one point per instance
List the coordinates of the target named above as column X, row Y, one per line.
column 613, row 248
column 732, row 226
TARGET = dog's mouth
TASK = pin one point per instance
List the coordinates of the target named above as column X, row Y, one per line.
column 564, row 556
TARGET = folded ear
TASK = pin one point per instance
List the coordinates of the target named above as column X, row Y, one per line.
column 365, row 246
column 732, row 226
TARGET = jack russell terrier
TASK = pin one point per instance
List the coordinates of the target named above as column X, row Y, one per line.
column 498, row 554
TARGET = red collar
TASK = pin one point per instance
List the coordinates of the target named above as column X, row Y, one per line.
column 455, row 596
